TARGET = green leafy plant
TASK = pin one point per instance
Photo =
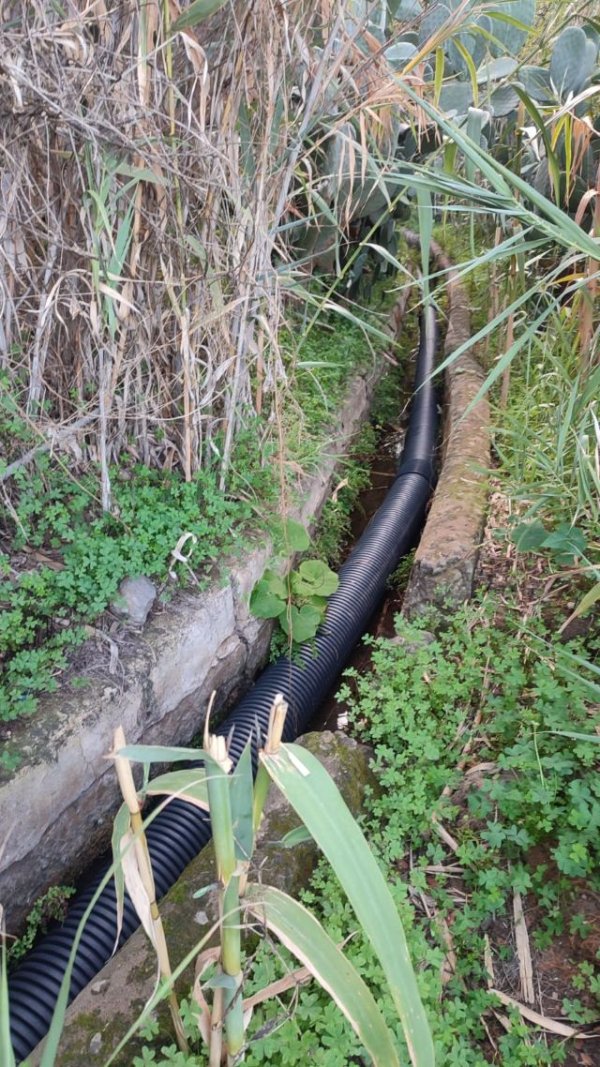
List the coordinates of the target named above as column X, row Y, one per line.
column 417, row 707
column 51, row 906
column 299, row 599
column 565, row 544
column 235, row 807
column 45, row 608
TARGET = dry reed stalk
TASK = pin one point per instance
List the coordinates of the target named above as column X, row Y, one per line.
column 147, row 174
column 523, row 949
column 143, row 869
column 510, row 333
column 589, row 295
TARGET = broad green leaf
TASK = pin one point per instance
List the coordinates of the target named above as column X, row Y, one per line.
column 314, row 578
column 318, row 602
column 242, row 796
column 301, row 624
column 187, row 785
column 406, row 9
column 432, row 22
column 495, row 69
column 536, row 83
column 264, row 603
column 529, row 536
column 572, row 62
column 456, row 96
column 295, row 535
column 304, row 936
column 314, row 796
column 513, row 20
column 503, row 100
column 566, row 542
column 277, row 584
column 197, row 12
column 399, row 53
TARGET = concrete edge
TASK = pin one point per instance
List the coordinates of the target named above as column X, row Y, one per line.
column 445, row 562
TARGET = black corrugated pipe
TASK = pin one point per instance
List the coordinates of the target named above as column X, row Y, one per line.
column 180, row 830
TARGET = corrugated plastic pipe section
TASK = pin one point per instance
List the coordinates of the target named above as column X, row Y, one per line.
column 180, row 831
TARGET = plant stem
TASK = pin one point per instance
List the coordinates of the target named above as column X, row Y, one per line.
column 231, row 956
column 218, row 767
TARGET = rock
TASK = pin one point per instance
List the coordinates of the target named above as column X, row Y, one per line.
column 96, row 1044
column 413, row 643
column 134, row 599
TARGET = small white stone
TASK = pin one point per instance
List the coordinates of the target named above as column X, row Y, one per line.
column 134, row 599
column 100, row 987
column 96, row 1044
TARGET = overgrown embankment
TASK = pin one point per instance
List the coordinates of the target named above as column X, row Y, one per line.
column 64, row 557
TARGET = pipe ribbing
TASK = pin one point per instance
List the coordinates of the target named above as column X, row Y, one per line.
column 180, row 830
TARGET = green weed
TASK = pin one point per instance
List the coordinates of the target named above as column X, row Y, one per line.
column 49, row 907
column 539, row 797
column 44, row 609
column 296, row 599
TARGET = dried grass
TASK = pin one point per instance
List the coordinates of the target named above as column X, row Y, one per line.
column 147, row 177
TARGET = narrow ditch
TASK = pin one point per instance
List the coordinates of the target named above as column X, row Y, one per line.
column 332, row 714
column 181, row 830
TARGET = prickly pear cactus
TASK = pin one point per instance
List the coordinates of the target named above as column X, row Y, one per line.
column 511, row 38
column 573, row 62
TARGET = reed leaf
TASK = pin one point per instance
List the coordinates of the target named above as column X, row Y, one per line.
column 304, row 936
column 313, row 795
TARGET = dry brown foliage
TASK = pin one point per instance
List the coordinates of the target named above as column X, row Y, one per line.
column 145, row 179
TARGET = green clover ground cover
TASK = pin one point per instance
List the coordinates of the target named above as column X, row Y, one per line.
column 528, row 823
column 43, row 609
column 531, row 824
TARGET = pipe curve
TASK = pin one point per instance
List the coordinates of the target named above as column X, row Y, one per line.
column 180, row 830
